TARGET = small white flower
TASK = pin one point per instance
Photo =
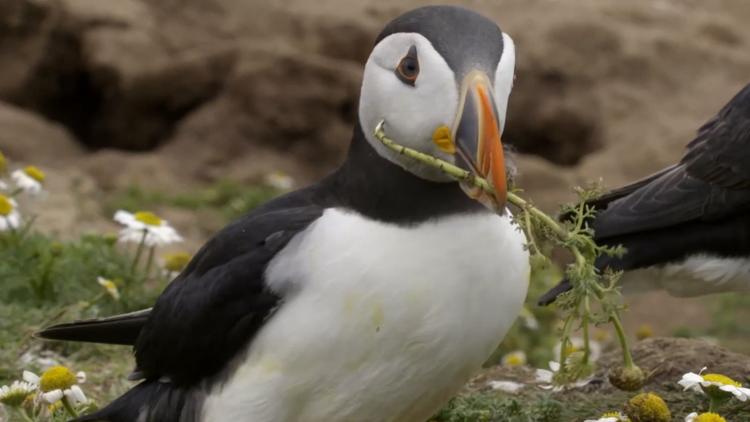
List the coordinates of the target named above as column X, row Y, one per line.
column 29, row 179
column 515, row 358
column 111, row 288
column 157, row 231
column 698, row 382
column 81, row 377
column 506, row 386
column 576, row 345
column 610, row 417
column 16, row 393
column 10, row 218
column 279, row 180
column 545, row 377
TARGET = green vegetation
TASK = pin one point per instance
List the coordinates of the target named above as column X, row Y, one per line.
column 230, row 198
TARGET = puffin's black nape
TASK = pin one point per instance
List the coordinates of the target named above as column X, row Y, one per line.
column 464, row 38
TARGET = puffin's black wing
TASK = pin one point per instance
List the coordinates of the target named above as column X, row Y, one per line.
column 669, row 215
column 720, row 154
column 215, row 307
column 712, row 181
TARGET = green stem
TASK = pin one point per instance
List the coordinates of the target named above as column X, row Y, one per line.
column 69, row 407
column 626, row 356
column 468, row 177
column 25, row 415
column 150, row 260
column 585, row 322
column 138, row 254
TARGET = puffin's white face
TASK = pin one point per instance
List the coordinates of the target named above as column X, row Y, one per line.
column 410, row 85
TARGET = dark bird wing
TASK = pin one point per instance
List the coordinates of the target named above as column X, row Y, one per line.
column 710, row 185
column 219, row 302
column 208, row 314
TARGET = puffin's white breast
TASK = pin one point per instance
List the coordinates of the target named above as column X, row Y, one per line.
column 380, row 322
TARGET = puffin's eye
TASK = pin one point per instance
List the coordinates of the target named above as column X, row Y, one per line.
column 408, row 68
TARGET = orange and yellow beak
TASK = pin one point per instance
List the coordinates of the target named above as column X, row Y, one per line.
column 476, row 135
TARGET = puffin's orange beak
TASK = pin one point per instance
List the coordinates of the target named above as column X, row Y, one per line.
column 477, row 138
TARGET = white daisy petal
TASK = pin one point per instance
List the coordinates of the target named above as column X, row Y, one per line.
column 75, row 395
column 691, row 417
column 52, row 396
column 81, row 377
column 26, row 183
column 31, row 377
column 506, row 386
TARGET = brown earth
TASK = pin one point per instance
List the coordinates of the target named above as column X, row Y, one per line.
column 177, row 93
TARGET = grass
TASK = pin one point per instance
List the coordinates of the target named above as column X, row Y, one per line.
column 230, row 199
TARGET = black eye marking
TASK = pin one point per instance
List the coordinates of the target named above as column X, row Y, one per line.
column 408, row 68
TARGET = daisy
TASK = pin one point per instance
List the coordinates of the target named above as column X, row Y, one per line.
column 577, row 344
column 714, row 385
column 517, row 358
column 14, row 395
column 29, row 179
column 146, row 227
column 10, row 218
column 704, row 417
column 546, row 378
column 109, row 286
column 58, row 382
column 176, row 261
column 279, row 180
column 610, row 417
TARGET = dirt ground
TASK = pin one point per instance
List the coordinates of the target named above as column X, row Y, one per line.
column 180, row 93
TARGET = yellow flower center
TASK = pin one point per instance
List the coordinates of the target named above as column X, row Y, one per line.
column 148, row 218
column 611, row 415
column 721, row 379
column 35, row 173
column 57, row 378
column 648, row 407
column 6, row 207
column 514, row 359
column 709, row 417
column 644, row 331
column 176, row 261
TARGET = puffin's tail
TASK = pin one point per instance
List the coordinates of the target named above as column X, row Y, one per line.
column 119, row 329
column 150, row 401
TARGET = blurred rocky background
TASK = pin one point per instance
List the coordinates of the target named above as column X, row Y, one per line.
column 174, row 95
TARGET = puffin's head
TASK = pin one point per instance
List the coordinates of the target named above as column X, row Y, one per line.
column 440, row 77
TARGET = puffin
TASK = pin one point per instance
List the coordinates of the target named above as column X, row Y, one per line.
column 686, row 228
column 371, row 295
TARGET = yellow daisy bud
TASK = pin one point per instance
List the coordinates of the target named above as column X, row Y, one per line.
column 709, row 417
column 647, row 407
column 177, row 261
column 6, row 206
column 644, row 331
column 3, row 163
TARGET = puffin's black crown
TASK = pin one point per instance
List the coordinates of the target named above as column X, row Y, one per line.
column 465, row 39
